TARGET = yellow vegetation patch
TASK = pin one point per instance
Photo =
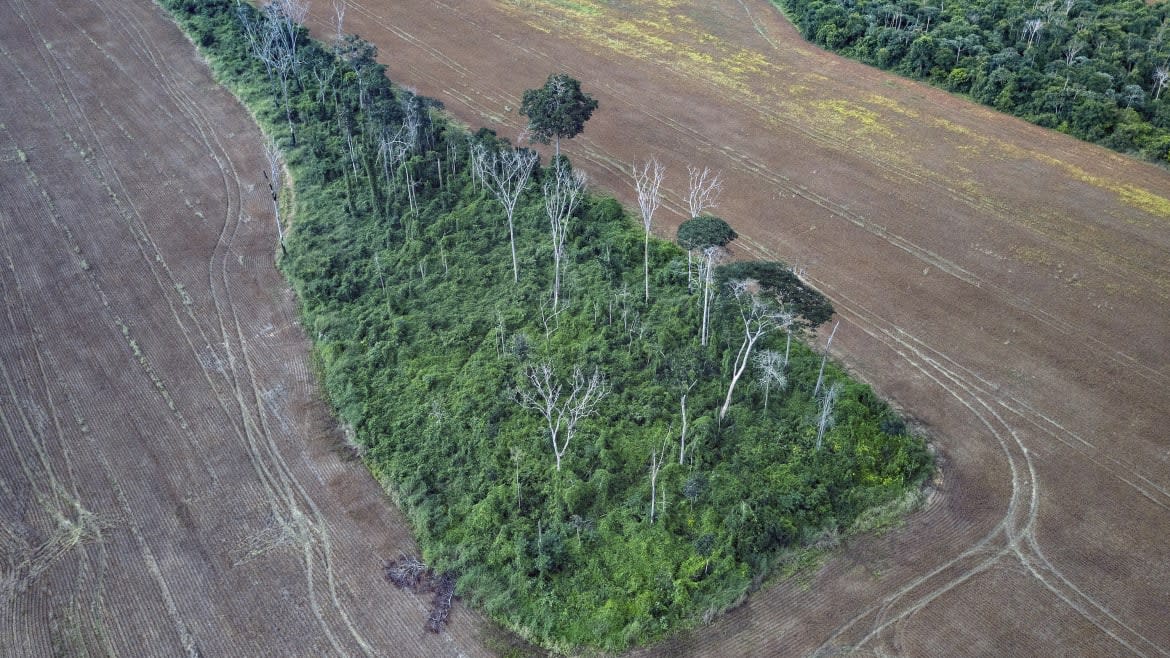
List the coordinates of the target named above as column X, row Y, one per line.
column 851, row 118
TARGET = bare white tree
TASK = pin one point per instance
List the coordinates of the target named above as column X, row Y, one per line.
column 274, row 40
column 703, row 189
column 648, row 183
column 682, row 439
column 825, row 417
column 339, row 14
column 657, row 458
column 711, row 256
column 759, row 318
column 770, row 366
column 1161, row 79
column 1031, row 29
column 505, row 173
column 275, row 177
column 825, row 357
column 562, row 190
column 546, row 395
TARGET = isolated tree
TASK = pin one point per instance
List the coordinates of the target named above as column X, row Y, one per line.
column 275, row 177
column 708, row 236
column 561, row 409
column 825, row 416
column 759, row 317
column 557, row 110
column 657, row 459
column 647, row 183
column 339, row 15
column 505, row 173
column 563, row 188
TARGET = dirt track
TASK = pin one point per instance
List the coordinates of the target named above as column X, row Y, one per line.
column 170, row 482
column 1007, row 286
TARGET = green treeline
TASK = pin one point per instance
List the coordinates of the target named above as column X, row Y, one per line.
column 1095, row 70
column 428, row 347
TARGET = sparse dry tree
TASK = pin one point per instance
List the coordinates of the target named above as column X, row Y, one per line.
column 1161, row 79
column 682, row 439
column 703, row 189
column 824, row 358
column 648, row 183
column 275, row 177
column 759, row 317
column 657, row 458
column 711, row 256
column 770, row 366
column 505, row 173
column 561, row 409
column 274, row 40
column 339, row 16
column 562, row 191
column 825, row 416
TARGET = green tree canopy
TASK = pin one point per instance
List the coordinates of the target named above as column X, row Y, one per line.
column 706, row 231
column 558, row 109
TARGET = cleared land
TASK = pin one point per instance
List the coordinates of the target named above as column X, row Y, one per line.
column 1005, row 285
column 170, row 482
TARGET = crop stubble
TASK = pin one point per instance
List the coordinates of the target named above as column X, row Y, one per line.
column 1005, row 285
column 169, row 475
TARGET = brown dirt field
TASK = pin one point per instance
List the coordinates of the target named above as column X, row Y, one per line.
column 170, row 481
column 1005, row 285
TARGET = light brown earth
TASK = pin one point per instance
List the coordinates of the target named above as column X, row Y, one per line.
column 1005, row 285
column 170, row 480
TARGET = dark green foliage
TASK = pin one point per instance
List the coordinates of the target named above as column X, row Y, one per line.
column 779, row 280
column 1090, row 69
column 422, row 338
column 557, row 110
column 698, row 233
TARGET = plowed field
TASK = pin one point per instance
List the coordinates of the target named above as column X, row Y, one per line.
column 1007, row 286
column 170, row 481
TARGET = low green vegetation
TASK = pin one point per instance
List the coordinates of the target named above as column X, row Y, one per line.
column 1095, row 70
column 463, row 379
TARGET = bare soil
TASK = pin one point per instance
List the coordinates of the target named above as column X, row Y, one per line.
column 171, row 482
column 1005, row 285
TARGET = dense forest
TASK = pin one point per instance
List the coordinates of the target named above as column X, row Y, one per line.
column 1095, row 70
column 562, row 425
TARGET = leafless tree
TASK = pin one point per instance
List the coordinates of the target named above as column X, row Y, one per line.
column 759, row 317
column 682, row 439
column 561, row 409
column 711, row 256
column 505, row 173
column 703, row 189
column 339, row 14
column 275, row 41
column 825, row 417
column 648, row 183
column 562, row 190
column 657, row 458
column 825, row 357
column 770, row 366
column 1161, row 79
column 1031, row 29
column 275, row 177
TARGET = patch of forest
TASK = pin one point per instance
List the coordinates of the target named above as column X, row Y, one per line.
column 601, row 439
column 1095, row 70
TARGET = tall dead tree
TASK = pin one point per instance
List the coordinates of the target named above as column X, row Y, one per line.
column 275, row 40
column 703, row 189
column 562, row 190
column 648, row 183
column 1161, row 79
column 825, row 417
column 759, row 318
column 770, row 367
column 561, row 409
column 339, row 15
column 275, row 177
column 682, row 439
column 505, row 173
column 657, row 458
column 711, row 256
column 824, row 358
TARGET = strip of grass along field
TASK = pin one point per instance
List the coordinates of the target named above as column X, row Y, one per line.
column 463, row 381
